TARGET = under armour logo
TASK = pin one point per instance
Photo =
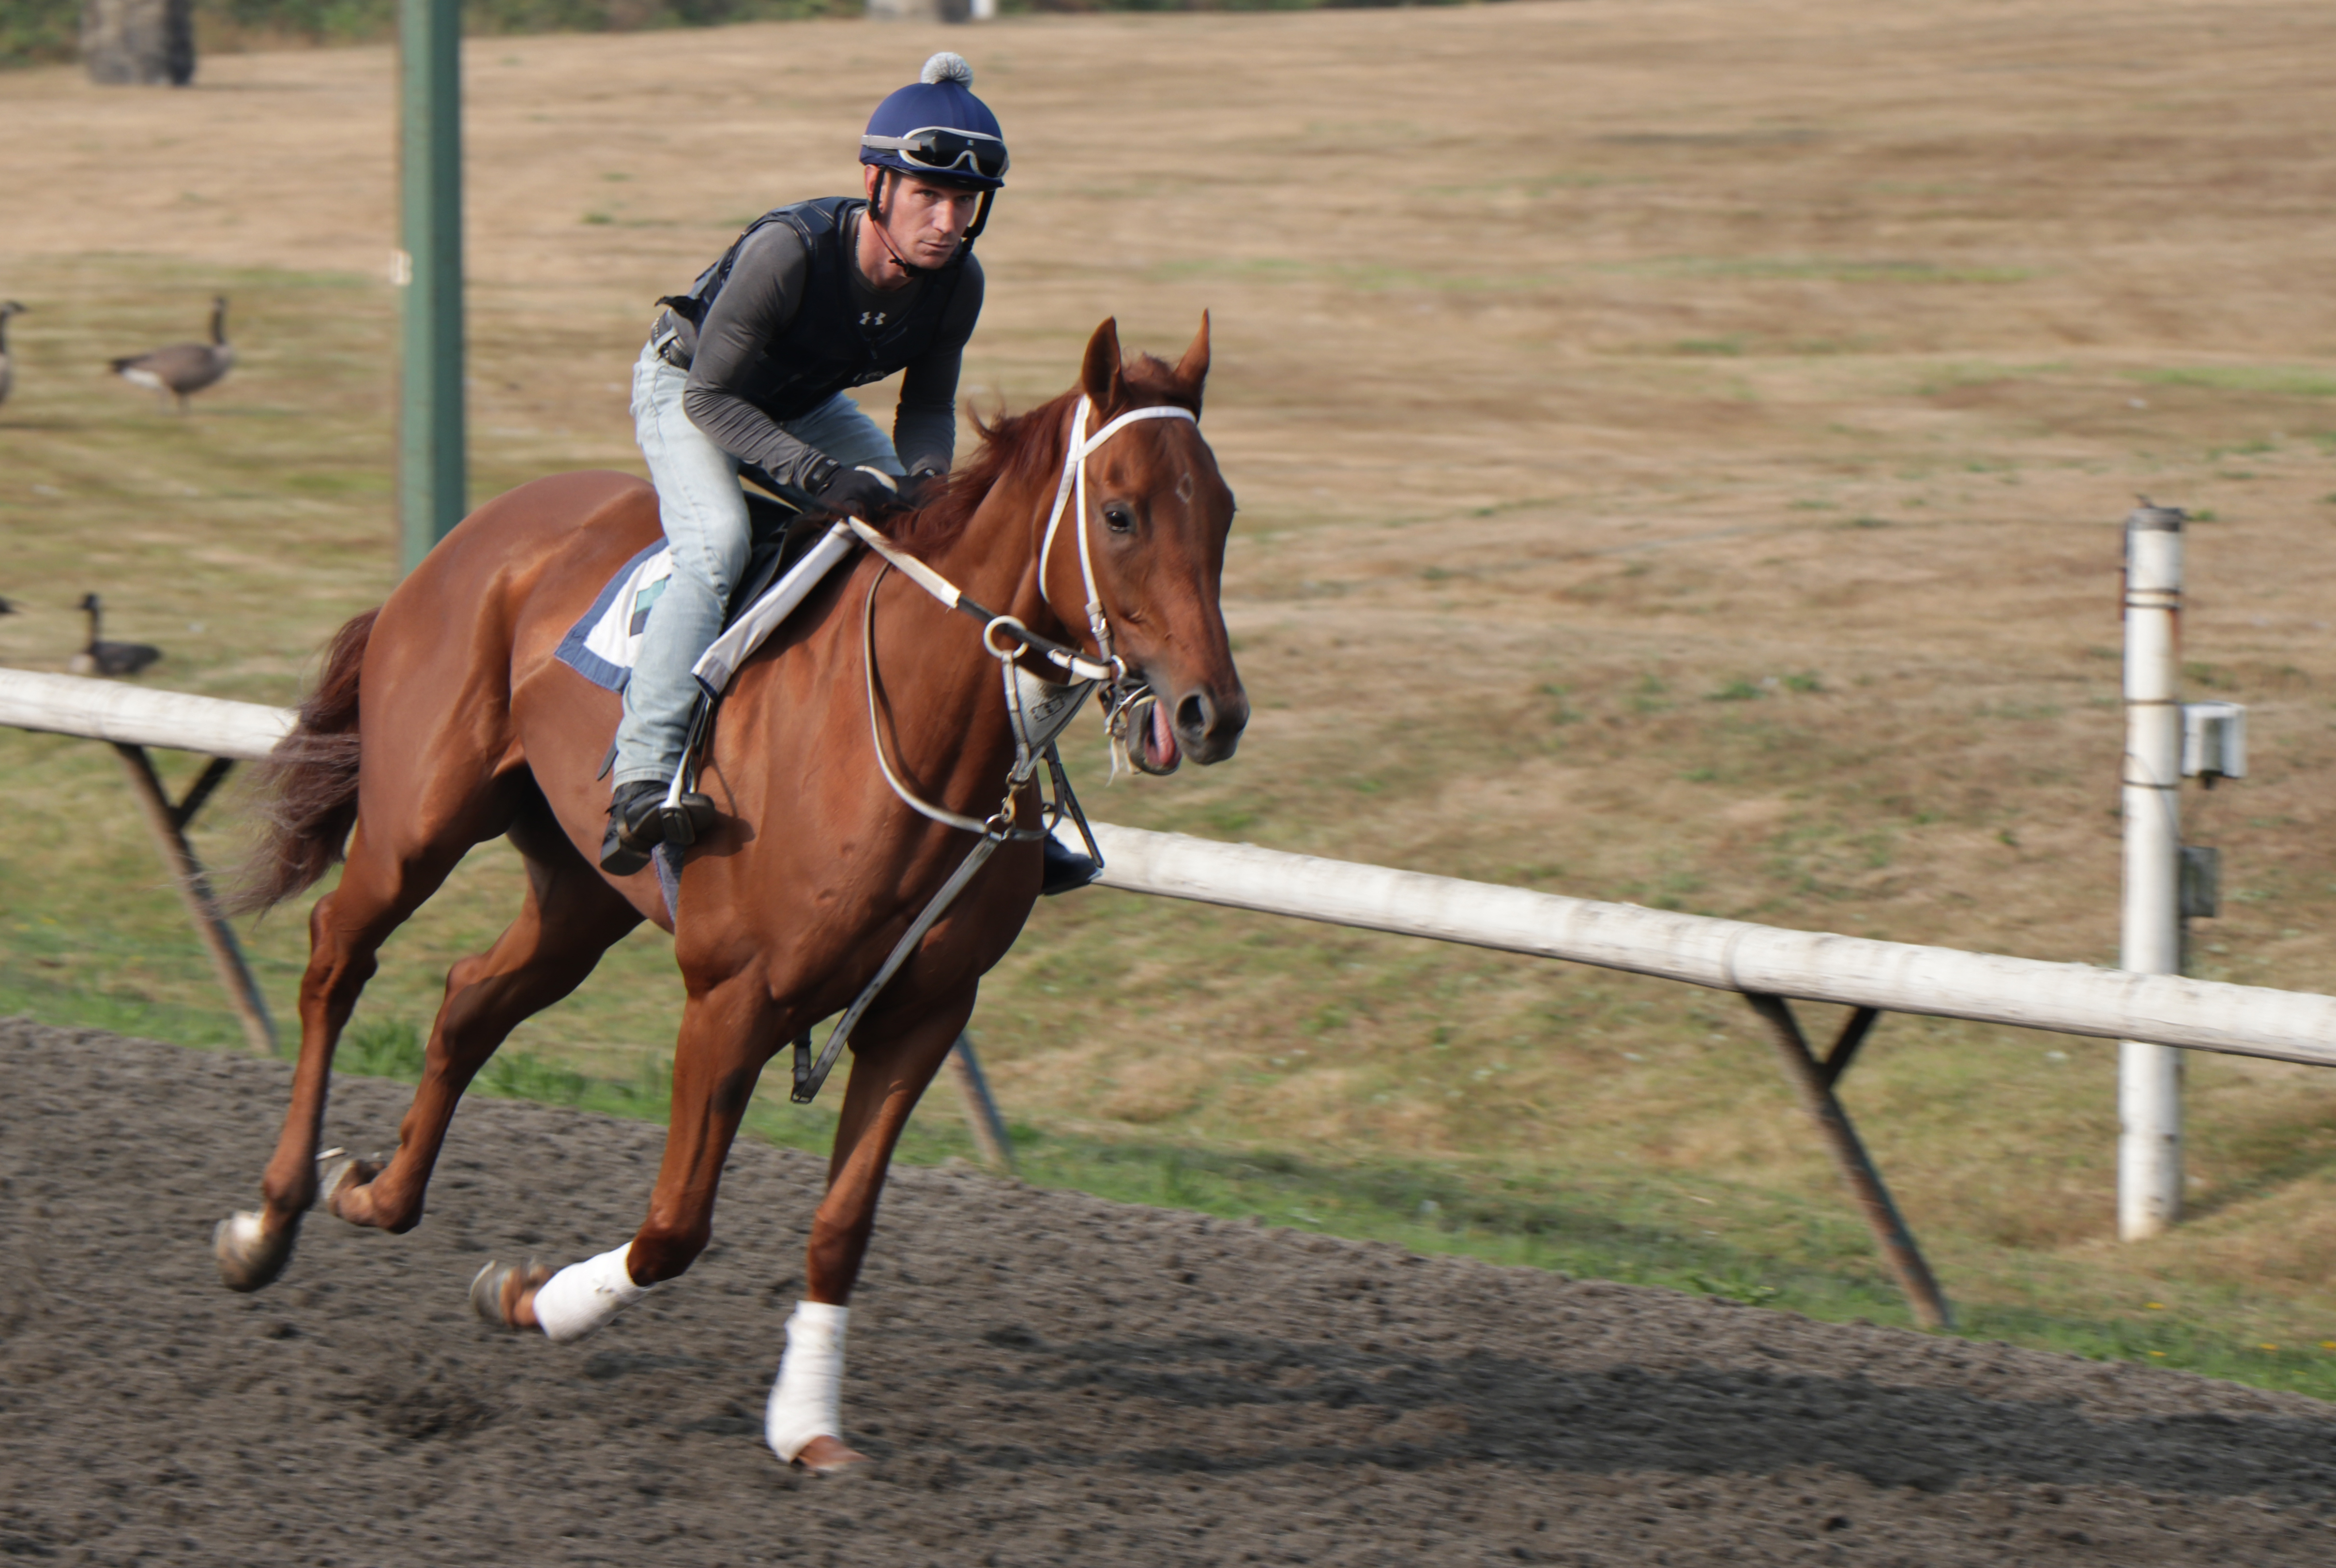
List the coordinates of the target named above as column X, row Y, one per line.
column 872, row 317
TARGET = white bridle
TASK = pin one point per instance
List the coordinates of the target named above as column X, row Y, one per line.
column 1075, row 452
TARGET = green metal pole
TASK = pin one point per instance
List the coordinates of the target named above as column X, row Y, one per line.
column 431, row 496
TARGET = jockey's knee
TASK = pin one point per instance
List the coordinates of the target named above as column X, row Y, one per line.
column 712, row 560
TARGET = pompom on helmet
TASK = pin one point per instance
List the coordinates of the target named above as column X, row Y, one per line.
column 935, row 128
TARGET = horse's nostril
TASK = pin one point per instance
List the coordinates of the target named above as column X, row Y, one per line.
column 1193, row 714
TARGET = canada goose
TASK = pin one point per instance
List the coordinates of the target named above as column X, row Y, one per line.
column 102, row 657
column 8, row 307
column 183, row 368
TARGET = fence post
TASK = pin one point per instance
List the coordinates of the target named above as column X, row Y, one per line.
column 981, row 1117
column 169, row 823
column 1813, row 1081
column 2150, row 1078
column 431, row 498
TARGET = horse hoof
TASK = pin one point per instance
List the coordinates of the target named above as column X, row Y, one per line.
column 340, row 1174
column 829, row 1457
column 250, row 1256
column 496, row 1289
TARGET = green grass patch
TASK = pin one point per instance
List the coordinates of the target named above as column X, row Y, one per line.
column 2278, row 380
column 37, row 32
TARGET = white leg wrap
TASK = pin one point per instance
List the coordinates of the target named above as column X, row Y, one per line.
column 583, row 1296
column 807, row 1399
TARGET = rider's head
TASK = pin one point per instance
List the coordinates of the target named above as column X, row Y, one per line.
column 934, row 157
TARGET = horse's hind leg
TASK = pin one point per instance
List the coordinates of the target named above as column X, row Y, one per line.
column 570, row 918
column 378, row 890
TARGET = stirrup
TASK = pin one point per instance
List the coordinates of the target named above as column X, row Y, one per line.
column 687, row 822
column 686, row 813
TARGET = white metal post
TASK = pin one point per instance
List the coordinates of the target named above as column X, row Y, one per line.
column 2150, row 1078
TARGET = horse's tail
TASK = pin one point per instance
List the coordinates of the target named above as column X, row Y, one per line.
column 308, row 784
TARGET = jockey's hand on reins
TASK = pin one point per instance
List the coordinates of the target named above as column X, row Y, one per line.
column 861, row 491
column 922, row 488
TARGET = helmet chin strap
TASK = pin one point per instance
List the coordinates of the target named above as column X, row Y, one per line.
column 884, row 234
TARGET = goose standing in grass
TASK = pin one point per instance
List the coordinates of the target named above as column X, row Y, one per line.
column 102, row 657
column 8, row 307
column 183, row 369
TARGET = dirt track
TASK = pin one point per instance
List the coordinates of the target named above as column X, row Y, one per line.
column 1045, row 1377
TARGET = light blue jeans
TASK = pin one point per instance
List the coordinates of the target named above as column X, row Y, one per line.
column 704, row 516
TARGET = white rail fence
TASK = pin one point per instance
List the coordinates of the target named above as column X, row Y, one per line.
column 1769, row 966
column 1733, row 955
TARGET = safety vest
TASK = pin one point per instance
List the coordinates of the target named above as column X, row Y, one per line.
column 825, row 349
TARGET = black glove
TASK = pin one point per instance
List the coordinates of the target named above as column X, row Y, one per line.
column 859, row 492
column 923, row 488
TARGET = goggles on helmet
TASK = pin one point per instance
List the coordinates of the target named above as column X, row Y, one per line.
column 946, row 150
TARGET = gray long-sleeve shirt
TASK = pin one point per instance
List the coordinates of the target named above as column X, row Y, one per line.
column 765, row 289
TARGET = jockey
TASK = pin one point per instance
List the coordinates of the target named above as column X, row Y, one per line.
column 745, row 373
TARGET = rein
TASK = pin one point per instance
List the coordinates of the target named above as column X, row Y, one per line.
column 1077, row 449
column 1034, row 735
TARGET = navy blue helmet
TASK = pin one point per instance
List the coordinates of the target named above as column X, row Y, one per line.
column 935, row 128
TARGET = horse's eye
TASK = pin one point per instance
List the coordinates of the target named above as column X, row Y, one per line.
column 1122, row 520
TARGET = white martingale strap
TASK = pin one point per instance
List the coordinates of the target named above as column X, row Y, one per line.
column 807, row 1398
column 583, row 1296
column 941, row 814
column 1075, row 483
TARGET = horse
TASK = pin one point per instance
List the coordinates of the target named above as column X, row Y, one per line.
column 442, row 719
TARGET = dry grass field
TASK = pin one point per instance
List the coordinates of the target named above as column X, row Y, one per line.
column 1681, row 447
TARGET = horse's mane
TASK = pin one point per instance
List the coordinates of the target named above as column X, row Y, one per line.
column 1026, row 447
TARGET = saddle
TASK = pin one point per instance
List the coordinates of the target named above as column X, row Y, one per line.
column 780, row 534
column 603, row 644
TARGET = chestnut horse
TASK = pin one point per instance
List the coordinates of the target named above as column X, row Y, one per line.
column 442, row 720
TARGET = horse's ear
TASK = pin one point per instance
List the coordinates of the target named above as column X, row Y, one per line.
column 1192, row 370
column 1100, row 376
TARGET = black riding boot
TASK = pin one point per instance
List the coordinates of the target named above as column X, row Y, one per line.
column 636, row 826
column 1064, row 868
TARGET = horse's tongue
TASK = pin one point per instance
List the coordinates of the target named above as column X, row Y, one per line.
column 1163, row 739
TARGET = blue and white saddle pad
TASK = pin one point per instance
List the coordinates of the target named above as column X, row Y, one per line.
column 605, row 643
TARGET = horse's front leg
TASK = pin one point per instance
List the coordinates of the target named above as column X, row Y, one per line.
column 726, row 1035
column 804, row 1419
